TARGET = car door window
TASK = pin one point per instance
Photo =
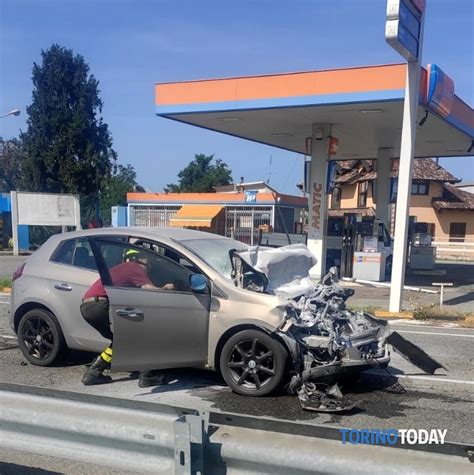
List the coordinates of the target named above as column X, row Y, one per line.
column 134, row 266
column 166, row 252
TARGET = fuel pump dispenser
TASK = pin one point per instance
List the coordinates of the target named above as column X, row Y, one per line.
column 361, row 246
column 373, row 259
column 422, row 252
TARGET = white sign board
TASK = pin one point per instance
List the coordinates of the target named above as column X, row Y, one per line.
column 43, row 209
column 48, row 209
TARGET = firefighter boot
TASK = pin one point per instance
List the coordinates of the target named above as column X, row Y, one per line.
column 150, row 378
column 93, row 374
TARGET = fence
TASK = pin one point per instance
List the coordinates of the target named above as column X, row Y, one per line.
column 152, row 215
column 243, row 222
column 446, row 249
column 154, row 438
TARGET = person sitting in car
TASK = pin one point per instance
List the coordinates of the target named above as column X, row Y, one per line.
column 95, row 311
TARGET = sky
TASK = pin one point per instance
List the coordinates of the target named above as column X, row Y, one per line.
column 132, row 44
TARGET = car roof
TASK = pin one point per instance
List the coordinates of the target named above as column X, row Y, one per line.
column 177, row 234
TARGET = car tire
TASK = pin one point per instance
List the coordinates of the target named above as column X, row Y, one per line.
column 253, row 363
column 40, row 338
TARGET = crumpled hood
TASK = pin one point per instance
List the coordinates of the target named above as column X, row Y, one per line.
column 286, row 268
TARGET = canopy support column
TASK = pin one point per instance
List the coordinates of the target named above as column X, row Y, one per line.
column 383, row 164
column 318, row 202
column 405, row 170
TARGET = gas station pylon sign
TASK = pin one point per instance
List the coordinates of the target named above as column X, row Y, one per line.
column 404, row 32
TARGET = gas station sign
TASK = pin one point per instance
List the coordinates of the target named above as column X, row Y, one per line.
column 403, row 26
column 440, row 90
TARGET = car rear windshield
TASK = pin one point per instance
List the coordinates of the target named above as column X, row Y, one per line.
column 215, row 252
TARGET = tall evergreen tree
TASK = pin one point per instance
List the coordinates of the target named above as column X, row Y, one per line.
column 11, row 159
column 67, row 144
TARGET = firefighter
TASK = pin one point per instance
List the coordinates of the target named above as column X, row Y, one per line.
column 95, row 311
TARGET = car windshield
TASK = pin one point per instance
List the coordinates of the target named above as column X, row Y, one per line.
column 215, row 252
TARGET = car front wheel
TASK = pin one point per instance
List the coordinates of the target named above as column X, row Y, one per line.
column 40, row 337
column 253, row 363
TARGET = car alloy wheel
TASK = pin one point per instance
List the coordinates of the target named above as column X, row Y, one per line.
column 40, row 337
column 252, row 363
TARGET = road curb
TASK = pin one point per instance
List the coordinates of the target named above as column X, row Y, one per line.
column 6, row 290
column 396, row 315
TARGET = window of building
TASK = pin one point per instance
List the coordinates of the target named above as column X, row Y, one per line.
column 362, row 198
column 457, row 232
column 419, row 187
column 336, row 198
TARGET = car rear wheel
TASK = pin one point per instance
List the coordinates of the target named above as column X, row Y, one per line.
column 40, row 337
column 252, row 363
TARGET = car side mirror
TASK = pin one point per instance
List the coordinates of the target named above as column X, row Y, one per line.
column 198, row 282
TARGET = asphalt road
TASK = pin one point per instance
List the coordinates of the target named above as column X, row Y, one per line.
column 442, row 401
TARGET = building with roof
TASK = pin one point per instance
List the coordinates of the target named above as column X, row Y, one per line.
column 239, row 211
column 434, row 197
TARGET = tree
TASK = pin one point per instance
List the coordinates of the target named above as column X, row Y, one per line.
column 200, row 176
column 11, row 159
column 68, row 146
column 115, row 189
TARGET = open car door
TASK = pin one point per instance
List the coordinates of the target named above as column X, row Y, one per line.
column 153, row 327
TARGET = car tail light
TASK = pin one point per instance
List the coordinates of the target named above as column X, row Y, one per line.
column 19, row 272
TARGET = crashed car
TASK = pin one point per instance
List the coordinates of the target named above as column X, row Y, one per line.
column 251, row 313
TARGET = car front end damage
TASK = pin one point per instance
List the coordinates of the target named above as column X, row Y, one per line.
column 333, row 344
column 328, row 343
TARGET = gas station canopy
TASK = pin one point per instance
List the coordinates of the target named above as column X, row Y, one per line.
column 363, row 105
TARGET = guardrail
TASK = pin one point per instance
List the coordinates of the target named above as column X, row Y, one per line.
column 446, row 249
column 153, row 438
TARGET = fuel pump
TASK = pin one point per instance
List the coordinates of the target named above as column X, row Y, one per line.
column 422, row 253
column 349, row 236
column 360, row 246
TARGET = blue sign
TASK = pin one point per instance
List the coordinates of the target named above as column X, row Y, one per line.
column 407, row 40
column 401, row 40
column 331, row 178
column 393, row 189
column 403, row 28
column 250, row 196
column 5, row 203
column 409, row 21
column 440, row 90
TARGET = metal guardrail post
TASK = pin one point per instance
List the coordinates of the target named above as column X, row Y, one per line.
column 190, row 437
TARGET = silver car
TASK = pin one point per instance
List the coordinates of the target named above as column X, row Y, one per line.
column 251, row 313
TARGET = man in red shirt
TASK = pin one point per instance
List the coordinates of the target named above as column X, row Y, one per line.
column 95, row 311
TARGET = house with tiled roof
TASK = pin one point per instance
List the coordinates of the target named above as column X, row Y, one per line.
column 434, row 197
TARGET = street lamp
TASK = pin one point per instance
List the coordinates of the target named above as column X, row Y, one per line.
column 12, row 112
